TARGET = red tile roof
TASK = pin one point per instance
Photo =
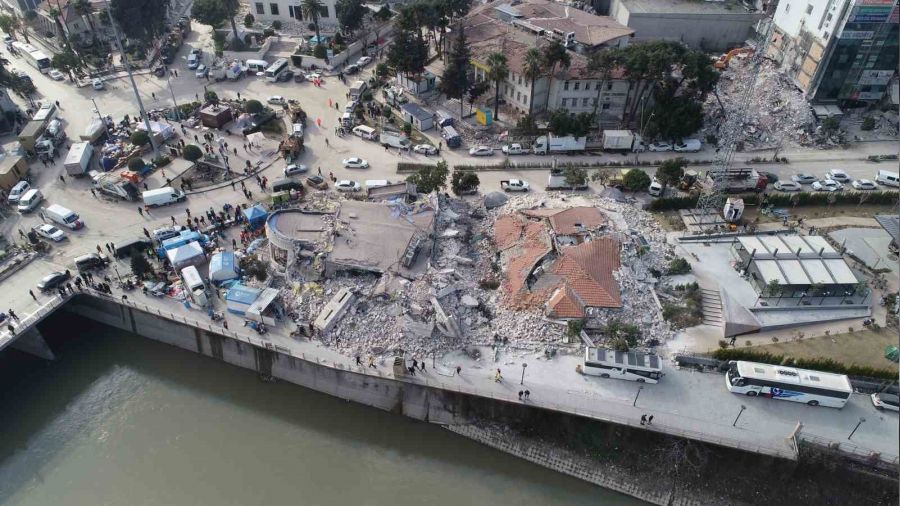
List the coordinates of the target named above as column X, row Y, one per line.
column 576, row 220
column 587, row 270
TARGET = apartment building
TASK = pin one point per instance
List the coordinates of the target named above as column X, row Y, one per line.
column 282, row 10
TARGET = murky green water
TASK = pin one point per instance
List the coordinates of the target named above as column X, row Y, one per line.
column 118, row 419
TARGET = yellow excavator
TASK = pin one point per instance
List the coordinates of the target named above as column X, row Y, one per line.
column 722, row 62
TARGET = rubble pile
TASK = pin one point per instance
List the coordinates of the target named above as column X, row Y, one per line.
column 778, row 114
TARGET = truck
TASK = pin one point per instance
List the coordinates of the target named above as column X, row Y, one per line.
column 557, row 181
column 79, row 159
column 737, row 180
column 357, row 89
column 622, row 140
column 551, row 144
column 113, row 184
column 29, row 135
column 230, row 71
column 514, row 149
column 393, row 139
column 514, row 185
column 94, row 131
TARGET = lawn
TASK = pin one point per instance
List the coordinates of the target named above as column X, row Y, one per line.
column 862, row 347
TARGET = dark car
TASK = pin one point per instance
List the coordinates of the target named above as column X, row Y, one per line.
column 285, row 76
column 771, row 177
column 351, row 69
column 258, row 120
column 299, row 77
column 53, row 280
column 317, row 182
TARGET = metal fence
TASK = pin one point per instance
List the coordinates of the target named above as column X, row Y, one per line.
column 880, row 460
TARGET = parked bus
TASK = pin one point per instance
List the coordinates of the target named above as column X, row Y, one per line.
column 627, row 365
column 276, row 69
column 33, row 56
column 787, row 383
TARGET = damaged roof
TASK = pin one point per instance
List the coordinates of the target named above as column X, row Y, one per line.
column 587, row 274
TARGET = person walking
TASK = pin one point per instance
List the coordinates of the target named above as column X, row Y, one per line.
column 527, row 394
column 141, row 211
column 650, row 420
column 415, row 364
column 12, row 330
column 358, row 361
column 458, row 370
column 422, row 366
column 93, row 193
column 173, row 219
column 99, row 251
column 32, row 295
column 372, row 362
column 521, row 393
column 498, row 377
column 62, row 179
column 13, row 315
column 643, row 419
column 225, row 324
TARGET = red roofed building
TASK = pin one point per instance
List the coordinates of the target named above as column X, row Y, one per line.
column 586, row 279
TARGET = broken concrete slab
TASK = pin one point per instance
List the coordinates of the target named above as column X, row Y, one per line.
column 445, row 323
column 468, row 301
column 334, row 310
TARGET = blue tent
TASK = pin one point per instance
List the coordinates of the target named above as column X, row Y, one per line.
column 239, row 298
column 256, row 216
column 223, row 267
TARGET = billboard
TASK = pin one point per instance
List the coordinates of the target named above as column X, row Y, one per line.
column 870, row 14
column 875, row 77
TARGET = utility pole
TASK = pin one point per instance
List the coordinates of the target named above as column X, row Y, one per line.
column 134, row 88
column 175, row 102
column 97, row 110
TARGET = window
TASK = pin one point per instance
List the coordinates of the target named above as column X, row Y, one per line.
column 809, row 9
column 323, row 12
column 584, row 102
column 594, row 102
column 525, row 99
column 520, row 79
column 608, row 86
column 605, row 107
column 518, row 97
column 577, row 85
column 260, row 9
column 273, row 8
column 566, row 86
column 562, row 102
column 599, row 84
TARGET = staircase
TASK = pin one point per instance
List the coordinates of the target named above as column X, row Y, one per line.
column 712, row 307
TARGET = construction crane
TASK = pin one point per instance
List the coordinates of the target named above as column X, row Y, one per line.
column 707, row 214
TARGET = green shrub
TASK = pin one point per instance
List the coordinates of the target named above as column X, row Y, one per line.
column 816, row 364
column 136, row 164
column 276, row 25
column 320, row 52
column 162, row 161
column 249, row 20
column 192, row 153
column 679, row 266
column 268, row 32
column 253, row 107
column 868, row 123
column 140, row 138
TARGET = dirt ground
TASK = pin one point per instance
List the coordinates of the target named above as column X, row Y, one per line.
column 862, row 347
column 811, row 212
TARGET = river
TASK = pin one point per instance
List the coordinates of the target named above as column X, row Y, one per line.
column 118, row 419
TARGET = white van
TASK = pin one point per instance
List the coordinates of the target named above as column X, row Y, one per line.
column 366, row 132
column 162, row 196
column 30, row 200
column 63, row 216
column 376, row 183
column 655, row 189
column 257, row 66
column 194, row 285
column 347, row 120
column 17, row 191
column 888, row 178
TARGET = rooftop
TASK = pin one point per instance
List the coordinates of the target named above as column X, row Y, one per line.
column 586, row 270
column 298, row 225
column 684, row 7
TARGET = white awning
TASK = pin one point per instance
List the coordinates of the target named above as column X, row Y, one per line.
column 769, row 271
column 840, row 271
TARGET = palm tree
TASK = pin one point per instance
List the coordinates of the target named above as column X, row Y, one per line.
column 497, row 72
column 555, row 55
column 602, row 63
column 311, row 9
column 83, row 8
column 56, row 14
column 534, row 65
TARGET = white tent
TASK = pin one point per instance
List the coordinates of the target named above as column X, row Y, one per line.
column 256, row 138
column 189, row 254
column 166, row 131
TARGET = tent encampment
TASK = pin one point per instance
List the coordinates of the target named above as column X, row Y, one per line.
column 256, row 216
column 183, row 256
column 223, row 267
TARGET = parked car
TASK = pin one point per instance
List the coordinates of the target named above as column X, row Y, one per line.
column 202, row 71
column 771, row 177
column 48, row 231
column 161, row 234
column 346, row 185
column 787, row 186
column 803, row 178
column 277, row 100
column 193, row 61
column 355, row 163
column 688, row 146
column 660, row 146
column 889, row 402
column 837, row 175
column 363, row 61
column 285, row 76
column 317, row 182
column 481, row 151
column 299, row 77
column 827, row 185
column 294, row 169
column 514, row 149
column 56, row 75
column 52, row 280
column 864, row 185
column 97, row 83
column 351, row 69
column 425, row 149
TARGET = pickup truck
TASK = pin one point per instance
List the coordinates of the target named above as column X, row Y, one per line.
column 514, row 149
column 514, row 185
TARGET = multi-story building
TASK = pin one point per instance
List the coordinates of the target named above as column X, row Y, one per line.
column 503, row 28
column 271, row 10
column 838, row 51
column 19, row 7
column 71, row 21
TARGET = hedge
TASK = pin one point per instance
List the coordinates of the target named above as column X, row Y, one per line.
column 412, row 167
column 801, row 199
column 816, row 364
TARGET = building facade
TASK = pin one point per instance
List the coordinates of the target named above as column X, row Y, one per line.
column 839, row 51
column 283, row 10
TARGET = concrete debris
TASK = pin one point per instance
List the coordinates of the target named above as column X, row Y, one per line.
column 468, row 301
column 448, row 325
column 495, row 199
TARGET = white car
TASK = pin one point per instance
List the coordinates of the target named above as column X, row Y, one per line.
column 864, row 185
column 689, row 146
column 827, row 185
column 514, row 149
column 837, row 175
column 787, row 186
column 660, row 146
column 202, row 71
column 425, row 149
column 355, row 163
column 313, row 76
column 803, row 178
column 57, row 75
column 363, row 61
column 481, row 151
column 294, row 169
column 97, row 83
column 885, row 401
column 276, row 99
column 345, row 185
column 48, row 231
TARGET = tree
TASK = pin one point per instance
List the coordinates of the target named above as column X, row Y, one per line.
column 211, row 97
column 670, row 172
column 320, row 51
column 464, row 182
column 527, row 125
column 430, row 178
column 532, row 69
column 140, row 266
column 556, row 56
column 350, row 14
column 576, row 177
column 455, row 80
column 253, row 107
column 192, row 153
column 143, row 20
column 249, row 20
column 66, row 62
column 476, row 90
column 674, row 118
column 563, row 123
column 84, row 9
column 276, row 25
column 636, row 179
column 384, row 13
column 408, row 53
column 312, row 9
column 9, row 24
column 602, row 63
column 216, row 12
column 56, row 14
column 137, row 164
column 140, row 138
column 498, row 71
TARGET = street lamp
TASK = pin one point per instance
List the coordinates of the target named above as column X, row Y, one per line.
column 116, row 268
column 860, row 422
column 638, row 394
column 522, row 381
column 97, row 110
column 739, row 415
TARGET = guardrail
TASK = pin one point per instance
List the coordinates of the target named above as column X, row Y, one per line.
column 880, row 460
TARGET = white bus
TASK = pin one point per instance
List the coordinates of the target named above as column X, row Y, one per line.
column 787, row 383
column 33, row 56
column 627, row 365
column 276, row 69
